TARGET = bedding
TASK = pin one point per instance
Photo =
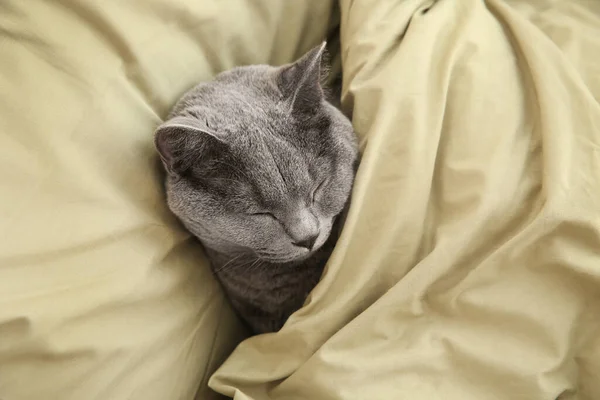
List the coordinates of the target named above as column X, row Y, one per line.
column 469, row 265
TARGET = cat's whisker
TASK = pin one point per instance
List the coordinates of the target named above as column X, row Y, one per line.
column 228, row 263
column 256, row 265
column 273, row 257
column 244, row 264
column 269, row 257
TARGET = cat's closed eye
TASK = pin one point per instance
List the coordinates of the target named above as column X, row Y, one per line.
column 317, row 190
column 263, row 214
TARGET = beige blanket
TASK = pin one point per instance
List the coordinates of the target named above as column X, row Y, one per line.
column 469, row 267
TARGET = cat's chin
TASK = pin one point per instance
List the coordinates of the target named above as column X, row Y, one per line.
column 297, row 259
column 292, row 260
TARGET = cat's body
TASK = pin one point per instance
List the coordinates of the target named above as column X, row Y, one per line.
column 260, row 166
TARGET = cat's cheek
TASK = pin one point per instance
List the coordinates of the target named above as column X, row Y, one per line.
column 329, row 208
column 326, row 226
column 262, row 233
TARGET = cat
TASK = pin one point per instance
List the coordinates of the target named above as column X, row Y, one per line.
column 260, row 167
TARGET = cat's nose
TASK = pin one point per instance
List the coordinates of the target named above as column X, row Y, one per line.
column 303, row 229
column 308, row 242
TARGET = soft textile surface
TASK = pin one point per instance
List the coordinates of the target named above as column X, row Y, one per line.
column 103, row 296
column 469, row 266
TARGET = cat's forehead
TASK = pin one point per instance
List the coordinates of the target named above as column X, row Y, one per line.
column 246, row 102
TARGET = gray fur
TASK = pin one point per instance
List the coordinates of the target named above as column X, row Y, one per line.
column 246, row 154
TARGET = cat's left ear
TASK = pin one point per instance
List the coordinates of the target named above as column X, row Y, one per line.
column 180, row 141
column 301, row 80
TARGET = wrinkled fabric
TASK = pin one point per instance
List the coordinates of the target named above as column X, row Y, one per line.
column 103, row 296
column 469, row 265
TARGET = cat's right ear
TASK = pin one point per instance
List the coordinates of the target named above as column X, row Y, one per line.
column 180, row 140
column 301, row 81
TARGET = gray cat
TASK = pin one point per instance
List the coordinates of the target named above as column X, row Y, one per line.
column 260, row 166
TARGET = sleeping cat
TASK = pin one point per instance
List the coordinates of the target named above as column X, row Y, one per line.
column 259, row 168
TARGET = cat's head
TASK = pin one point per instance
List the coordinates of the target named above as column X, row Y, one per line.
column 258, row 161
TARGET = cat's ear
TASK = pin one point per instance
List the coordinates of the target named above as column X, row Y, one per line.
column 180, row 140
column 301, row 80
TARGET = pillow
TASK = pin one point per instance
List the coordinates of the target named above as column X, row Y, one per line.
column 103, row 294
